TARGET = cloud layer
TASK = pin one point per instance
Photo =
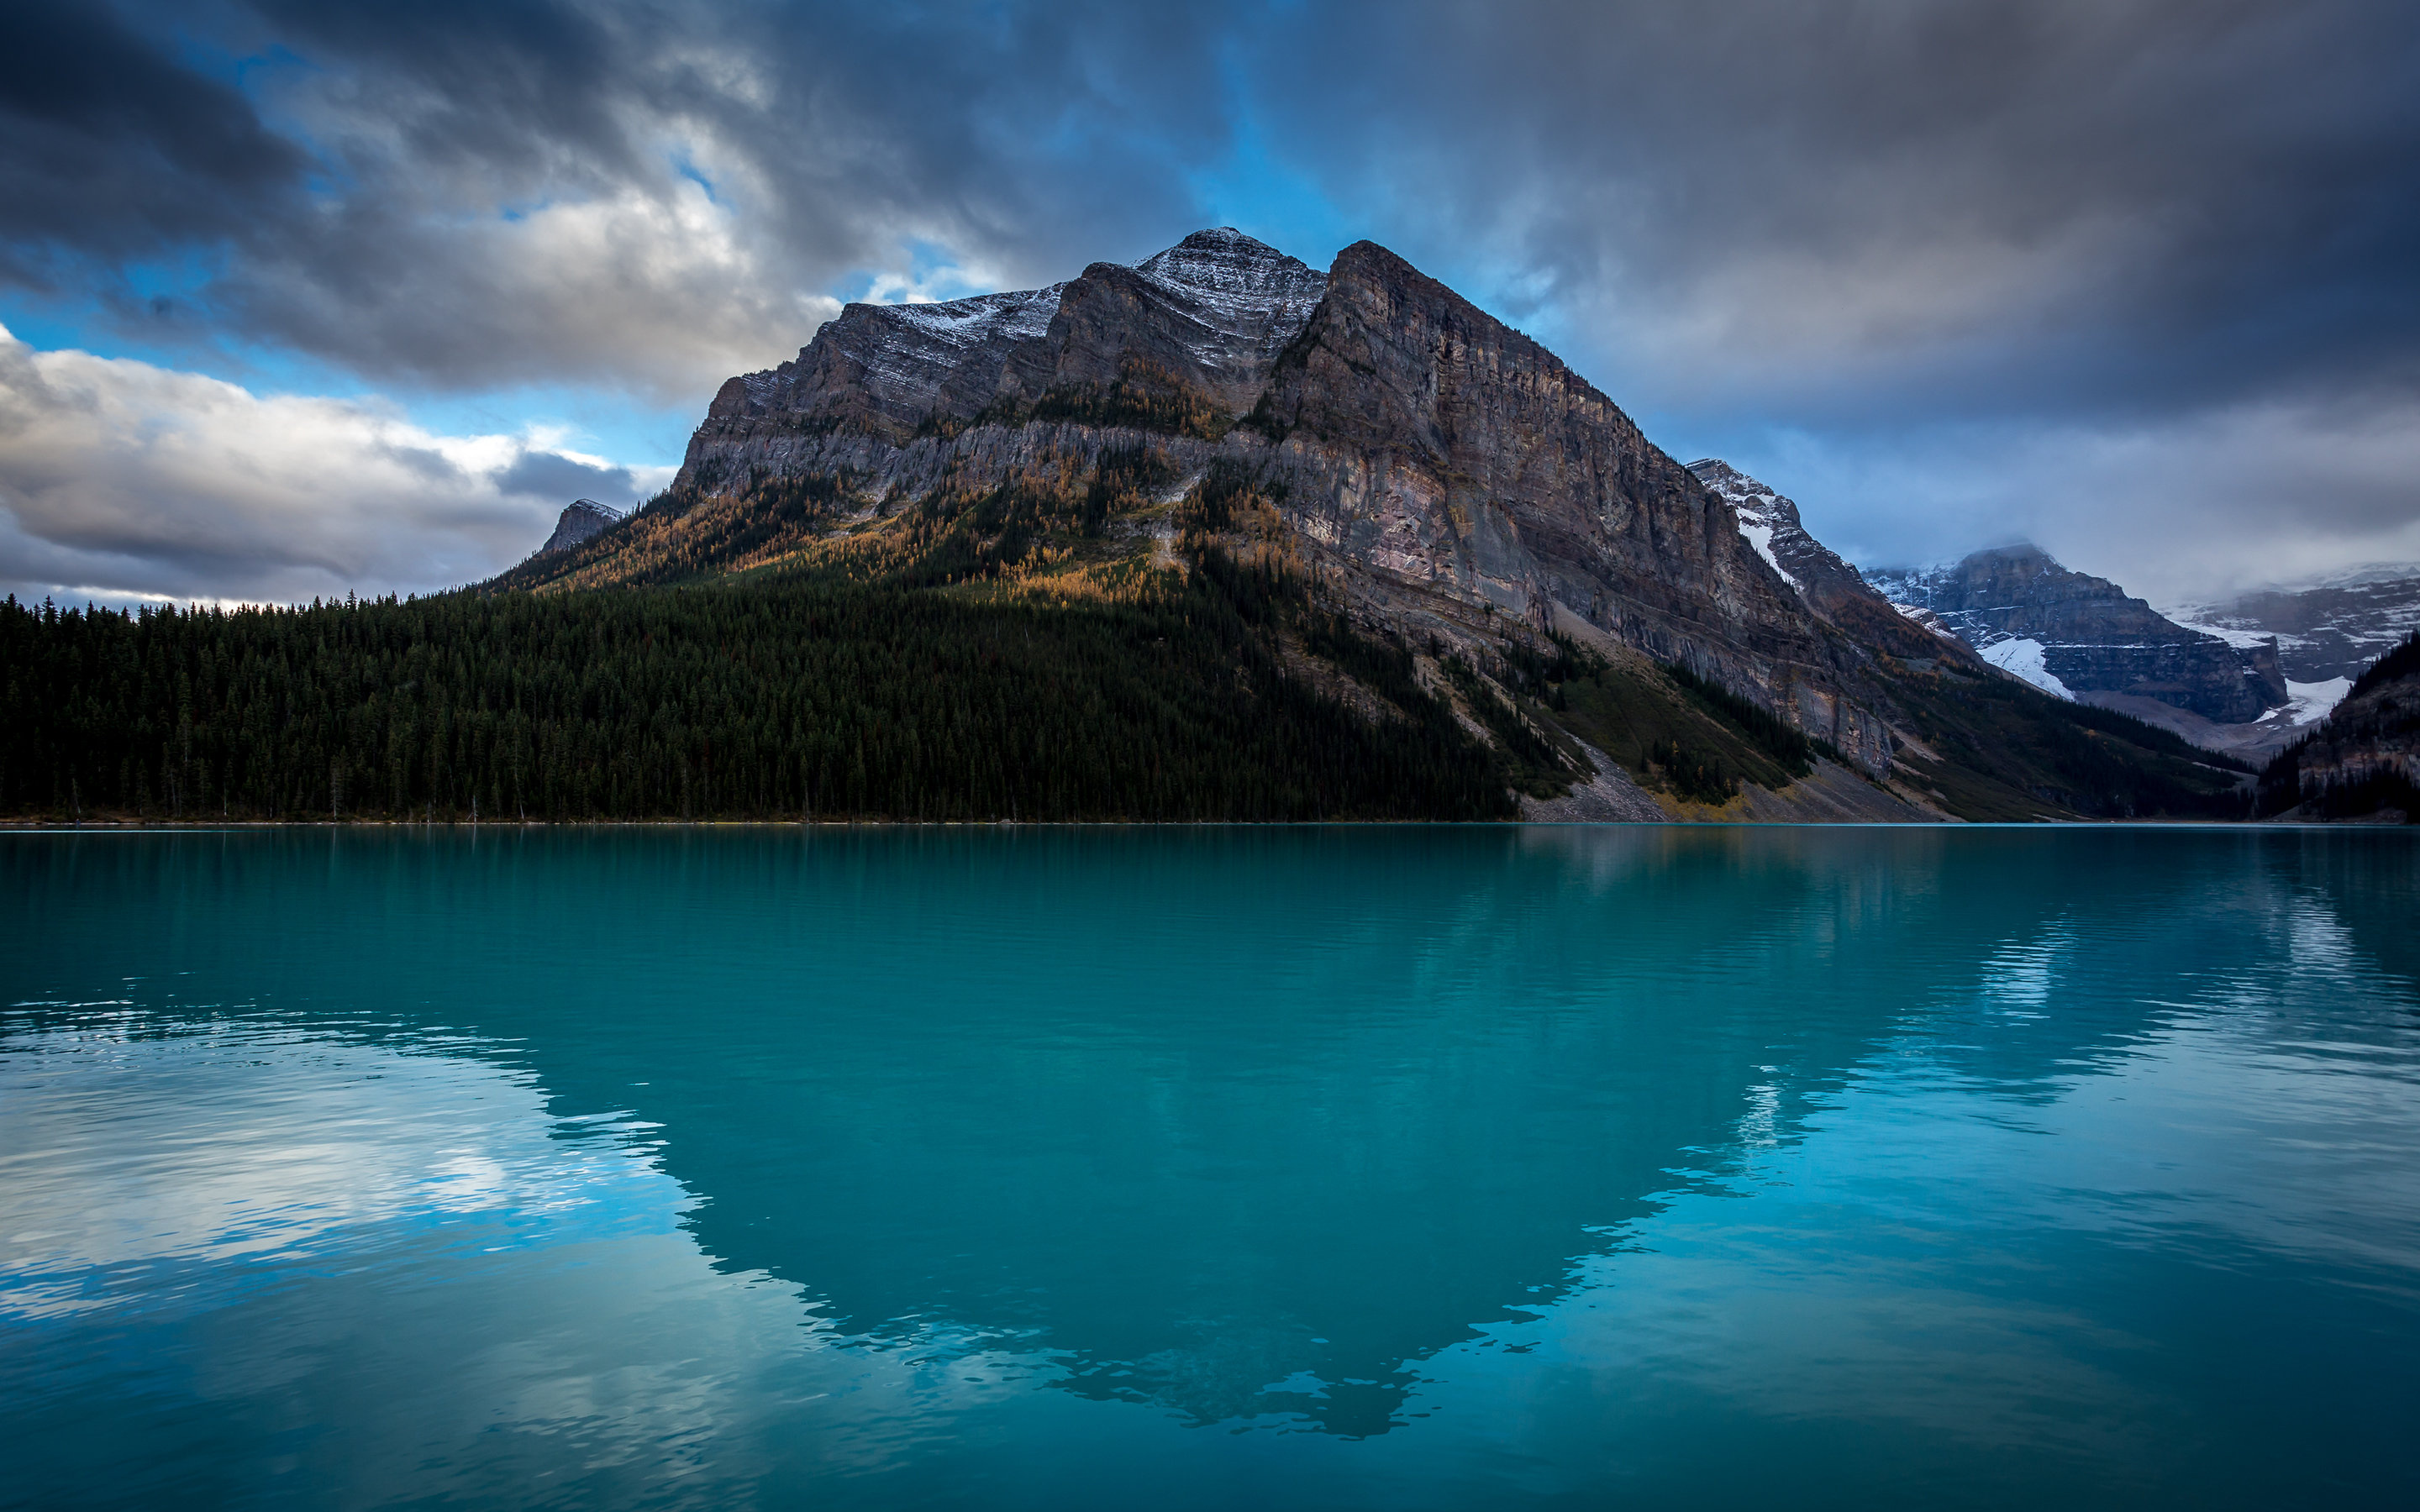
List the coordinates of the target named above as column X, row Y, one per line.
column 2125, row 273
column 120, row 479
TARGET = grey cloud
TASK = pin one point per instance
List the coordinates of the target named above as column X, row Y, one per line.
column 122, row 479
column 561, row 479
column 1810, row 210
column 113, row 151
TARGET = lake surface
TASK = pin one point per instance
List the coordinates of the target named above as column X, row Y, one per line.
column 1204, row 1168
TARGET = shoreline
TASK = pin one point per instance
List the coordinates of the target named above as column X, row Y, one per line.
column 129, row 827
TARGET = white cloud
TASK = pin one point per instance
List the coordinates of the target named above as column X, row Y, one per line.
column 122, row 480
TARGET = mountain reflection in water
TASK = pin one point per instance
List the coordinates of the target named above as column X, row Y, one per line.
column 1414, row 1164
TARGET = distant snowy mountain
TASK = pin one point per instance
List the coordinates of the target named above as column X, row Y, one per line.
column 2083, row 637
column 2326, row 634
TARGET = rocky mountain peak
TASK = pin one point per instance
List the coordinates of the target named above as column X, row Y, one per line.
column 582, row 520
column 1226, row 270
column 2325, row 633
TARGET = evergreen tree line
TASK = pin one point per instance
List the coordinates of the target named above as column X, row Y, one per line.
column 781, row 700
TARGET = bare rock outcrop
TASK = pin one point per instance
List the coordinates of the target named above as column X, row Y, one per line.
column 582, row 520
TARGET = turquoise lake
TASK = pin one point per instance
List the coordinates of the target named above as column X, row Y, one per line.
column 1273, row 1168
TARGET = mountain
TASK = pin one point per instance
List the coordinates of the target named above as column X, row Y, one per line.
column 2325, row 635
column 1627, row 636
column 582, row 520
column 2076, row 636
column 1213, row 536
column 2363, row 760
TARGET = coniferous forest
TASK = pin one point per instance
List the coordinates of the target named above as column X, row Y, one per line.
column 800, row 699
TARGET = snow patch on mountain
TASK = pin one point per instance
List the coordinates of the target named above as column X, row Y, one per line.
column 2314, row 701
column 1770, row 524
column 1754, row 504
column 1759, row 536
column 2243, row 640
column 2024, row 659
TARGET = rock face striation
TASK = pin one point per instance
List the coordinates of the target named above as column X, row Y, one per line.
column 582, row 520
column 2077, row 635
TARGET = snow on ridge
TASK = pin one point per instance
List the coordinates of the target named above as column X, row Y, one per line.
column 969, row 322
column 1235, row 281
column 2241, row 639
column 2024, row 659
column 1925, row 617
column 1234, row 284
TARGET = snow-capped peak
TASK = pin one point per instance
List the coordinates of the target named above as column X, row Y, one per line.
column 967, row 322
column 1233, row 282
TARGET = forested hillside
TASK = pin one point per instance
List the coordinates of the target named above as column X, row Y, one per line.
column 779, row 700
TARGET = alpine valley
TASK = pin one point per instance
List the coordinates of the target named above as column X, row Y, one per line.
column 1213, row 536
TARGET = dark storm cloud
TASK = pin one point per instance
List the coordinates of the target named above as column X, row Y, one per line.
column 1949, row 206
column 113, row 151
column 1816, row 206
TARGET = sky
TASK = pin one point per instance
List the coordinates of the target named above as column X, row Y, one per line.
column 304, row 297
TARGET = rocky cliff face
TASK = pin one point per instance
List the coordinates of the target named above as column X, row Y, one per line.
column 582, row 520
column 1198, row 323
column 1428, row 440
column 2077, row 635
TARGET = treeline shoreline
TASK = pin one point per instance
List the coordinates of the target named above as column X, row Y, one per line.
column 781, row 700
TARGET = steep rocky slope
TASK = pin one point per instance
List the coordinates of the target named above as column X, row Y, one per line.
column 2073, row 634
column 1435, row 479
